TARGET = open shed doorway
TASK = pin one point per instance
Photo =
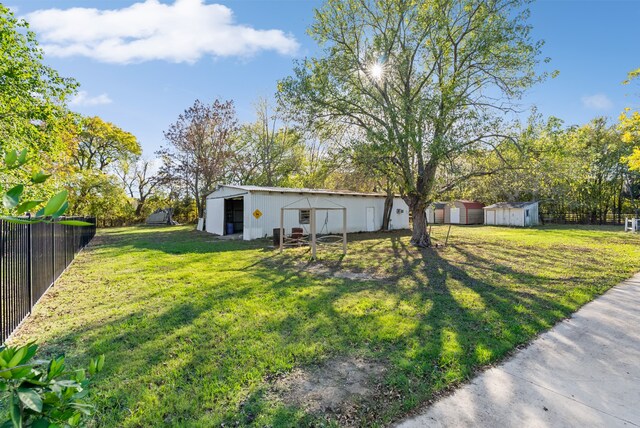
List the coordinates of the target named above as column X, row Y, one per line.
column 233, row 215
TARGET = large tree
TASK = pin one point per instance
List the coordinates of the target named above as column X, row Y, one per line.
column 424, row 81
column 630, row 127
column 139, row 180
column 200, row 148
column 32, row 107
column 32, row 94
column 95, row 193
column 268, row 152
column 100, row 144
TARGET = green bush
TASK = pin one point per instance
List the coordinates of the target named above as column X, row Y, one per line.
column 40, row 394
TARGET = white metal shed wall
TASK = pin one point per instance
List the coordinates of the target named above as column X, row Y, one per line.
column 512, row 216
column 431, row 217
column 214, row 208
column 269, row 204
column 505, row 216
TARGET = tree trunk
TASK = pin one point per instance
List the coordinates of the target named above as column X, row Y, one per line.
column 139, row 208
column 419, row 236
column 388, row 208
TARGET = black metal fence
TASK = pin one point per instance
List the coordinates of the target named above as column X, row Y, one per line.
column 615, row 219
column 32, row 257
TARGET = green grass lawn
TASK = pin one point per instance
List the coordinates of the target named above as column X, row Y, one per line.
column 195, row 329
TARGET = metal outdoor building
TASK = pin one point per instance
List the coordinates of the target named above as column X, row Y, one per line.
column 435, row 213
column 512, row 214
column 464, row 212
column 254, row 211
column 313, row 212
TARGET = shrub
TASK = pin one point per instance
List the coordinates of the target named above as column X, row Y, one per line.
column 38, row 393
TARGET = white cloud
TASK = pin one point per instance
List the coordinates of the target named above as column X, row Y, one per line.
column 597, row 102
column 82, row 98
column 184, row 31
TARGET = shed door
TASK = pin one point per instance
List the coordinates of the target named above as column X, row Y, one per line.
column 430, row 217
column 505, row 216
column 491, row 217
column 454, row 214
column 215, row 216
column 371, row 219
column 516, row 218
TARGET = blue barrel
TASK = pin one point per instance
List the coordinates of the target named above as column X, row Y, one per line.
column 229, row 228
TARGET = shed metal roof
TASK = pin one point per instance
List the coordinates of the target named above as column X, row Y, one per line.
column 472, row 204
column 265, row 189
column 510, row 205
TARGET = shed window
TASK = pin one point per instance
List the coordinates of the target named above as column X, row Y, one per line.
column 305, row 216
column 527, row 213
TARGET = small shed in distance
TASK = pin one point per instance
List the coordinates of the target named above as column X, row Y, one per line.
column 161, row 216
column 435, row 213
column 512, row 214
column 464, row 212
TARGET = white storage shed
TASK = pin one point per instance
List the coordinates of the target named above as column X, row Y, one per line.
column 464, row 212
column 512, row 214
column 255, row 211
column 435, row 213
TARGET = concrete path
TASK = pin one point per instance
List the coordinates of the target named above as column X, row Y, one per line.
column 585, row 372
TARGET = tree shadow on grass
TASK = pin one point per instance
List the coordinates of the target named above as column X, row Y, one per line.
column 176, row 241
column 450, row 340
column 206, row 357
column 477, row 333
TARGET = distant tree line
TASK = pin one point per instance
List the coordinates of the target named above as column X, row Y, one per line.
column 578, row 173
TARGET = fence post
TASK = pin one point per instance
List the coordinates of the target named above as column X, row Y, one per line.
column 66, row 246
column 30, row 264
column 53, row 252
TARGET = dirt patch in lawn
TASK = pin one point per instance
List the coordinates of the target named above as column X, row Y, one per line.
column 338, row 272
column 335, row 388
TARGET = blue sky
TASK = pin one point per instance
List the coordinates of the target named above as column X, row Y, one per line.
column 143, row 88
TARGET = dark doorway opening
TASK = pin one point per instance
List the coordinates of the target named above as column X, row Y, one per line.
column 233, row 215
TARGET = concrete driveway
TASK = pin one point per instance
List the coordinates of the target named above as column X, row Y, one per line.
column 585, row 372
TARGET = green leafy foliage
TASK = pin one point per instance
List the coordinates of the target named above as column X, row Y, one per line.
column 32, row 107
column 268, row 152
column 43, row 393
column 39, row 177
column 629, row 126
column 37, row 393
column 97, row 194
column 54, row 208
column 12, row 197
column 576, row 172
column 100, row 144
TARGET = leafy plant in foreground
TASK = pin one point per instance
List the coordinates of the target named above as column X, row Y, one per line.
column 50, row 210
column 40, row 393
